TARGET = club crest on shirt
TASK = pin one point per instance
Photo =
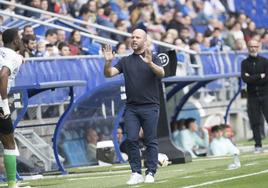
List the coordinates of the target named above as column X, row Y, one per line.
column 164, row 59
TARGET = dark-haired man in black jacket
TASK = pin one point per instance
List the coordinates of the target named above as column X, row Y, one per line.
column 254, row 71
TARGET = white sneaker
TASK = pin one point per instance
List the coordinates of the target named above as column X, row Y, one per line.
column 135, row 178
column 257, row 150
column 234, row 166
column 149, row 178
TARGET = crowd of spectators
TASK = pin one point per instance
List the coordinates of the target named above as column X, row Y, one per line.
column 191, row 24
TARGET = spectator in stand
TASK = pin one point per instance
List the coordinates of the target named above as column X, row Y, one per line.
column 249, row 31
column 185, row 35
column 87, row 16
column 92, row 6
column 243, row 20
column 8, row 9
column 240, row 45
column 67, row 7
column 51, row 36
column 50, row 52
column 121, row 48
column 41, row 49
column 61, row 36
column 205, row 46
column 28, row 30
column 176, row 22
column 214, row 9
column 64, row 49
column 105, row 20
column 121, row 25
column 34, row 4
column 29, row 44
column 233, row 35
column 217, row 39
column 194, row 45
column 199, row 37
column 75, row 43
column 44, row 6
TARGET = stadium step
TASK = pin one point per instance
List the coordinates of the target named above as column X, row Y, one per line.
column 37, row 146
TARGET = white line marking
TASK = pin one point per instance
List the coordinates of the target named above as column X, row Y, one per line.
column 137, row 186
column 121, row 166
column 178, row 170
column 163, row 181
column 212, row 158
column 95, row 177
column 226, row 179
column 211, row 172
column 250, row 164
column 186, row 177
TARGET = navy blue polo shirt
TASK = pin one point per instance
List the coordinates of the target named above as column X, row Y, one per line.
column 142, row 85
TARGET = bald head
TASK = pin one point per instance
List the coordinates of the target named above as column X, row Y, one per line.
column 138, row 40
column 253, row 47
column 140, row 32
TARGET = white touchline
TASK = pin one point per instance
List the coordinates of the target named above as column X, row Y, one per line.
column 93, row 177
column 226, row 179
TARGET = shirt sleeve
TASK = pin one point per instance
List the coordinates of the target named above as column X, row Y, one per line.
column 119, row 65
column 201, row 142
column 232, row 149
column 11, row 64
column 215, row 149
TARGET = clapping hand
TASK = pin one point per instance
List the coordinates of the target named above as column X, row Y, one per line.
column 148, row 56
column 108, row 53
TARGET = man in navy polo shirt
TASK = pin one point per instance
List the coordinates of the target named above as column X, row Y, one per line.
column 142, row 72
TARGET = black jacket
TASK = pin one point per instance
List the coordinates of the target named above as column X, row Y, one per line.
column 255, row 66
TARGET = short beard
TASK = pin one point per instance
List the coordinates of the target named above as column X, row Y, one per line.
column 253, row 54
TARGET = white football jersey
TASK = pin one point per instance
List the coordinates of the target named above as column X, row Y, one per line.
column 12, row 60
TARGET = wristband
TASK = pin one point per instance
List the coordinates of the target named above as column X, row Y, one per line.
column 5, row 107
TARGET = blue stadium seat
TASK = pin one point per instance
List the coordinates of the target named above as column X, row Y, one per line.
column 75, row 151
column 200, row 28
column 40, row 30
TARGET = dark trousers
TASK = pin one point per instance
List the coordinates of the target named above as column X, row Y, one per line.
column 257, row 108
column 145, row 116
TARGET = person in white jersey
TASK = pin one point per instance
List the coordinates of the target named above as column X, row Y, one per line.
column 10, row 62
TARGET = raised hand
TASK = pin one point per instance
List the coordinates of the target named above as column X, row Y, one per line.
column 107, row 52
column 148, row 56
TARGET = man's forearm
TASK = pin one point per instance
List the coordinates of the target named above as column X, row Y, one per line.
column 159, row 71
column 107, row 68
column 3, row 87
